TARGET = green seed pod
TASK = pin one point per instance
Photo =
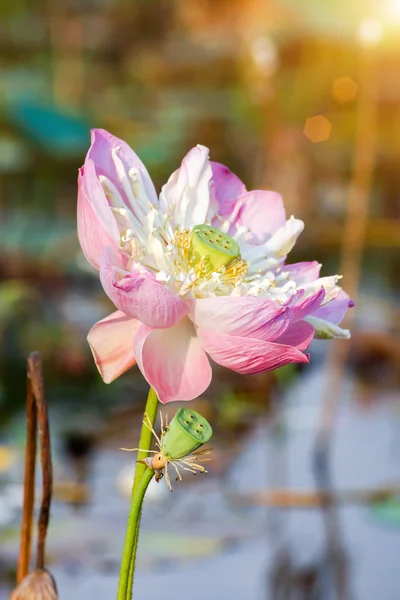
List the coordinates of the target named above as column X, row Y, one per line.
column 187, row 431
column 218, row 246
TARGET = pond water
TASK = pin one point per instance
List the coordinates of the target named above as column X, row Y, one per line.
column 205, row 541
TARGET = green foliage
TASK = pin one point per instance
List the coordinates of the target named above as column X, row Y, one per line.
column 14, row 297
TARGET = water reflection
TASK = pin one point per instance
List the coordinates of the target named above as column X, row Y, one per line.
column 219, row 531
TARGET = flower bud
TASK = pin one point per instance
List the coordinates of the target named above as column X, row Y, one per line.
column 38, row 585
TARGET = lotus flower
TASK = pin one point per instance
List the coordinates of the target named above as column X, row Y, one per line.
column 198, row 272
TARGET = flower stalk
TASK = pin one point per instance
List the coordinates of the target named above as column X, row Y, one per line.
column 142, row 478
column 129, row 555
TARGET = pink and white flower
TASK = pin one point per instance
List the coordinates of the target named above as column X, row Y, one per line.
column 181, row 297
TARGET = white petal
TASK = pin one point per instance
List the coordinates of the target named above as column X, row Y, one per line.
column 157, row 249
column 324, row 330
column 328, row 283
column 186, row 195
column 285, row 238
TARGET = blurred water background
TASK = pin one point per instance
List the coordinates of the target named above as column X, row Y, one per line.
column 302, row 98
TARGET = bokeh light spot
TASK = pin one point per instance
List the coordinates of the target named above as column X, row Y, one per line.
column 317, row 129
column 7, row 458
column 344, row 89
column 370, row 32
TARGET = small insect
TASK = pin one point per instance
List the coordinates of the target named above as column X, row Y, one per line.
column 178, row 445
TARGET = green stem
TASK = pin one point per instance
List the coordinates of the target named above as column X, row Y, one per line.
column 146, row 438
column 131, row 538
column 133, row 561
column 133, row 519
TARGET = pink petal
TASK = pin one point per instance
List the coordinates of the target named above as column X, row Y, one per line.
column 140, row 295
column 305, row 306
column 96, row 224
column 262, row 213
column 335, row 310
column 111, row 342
column 188, row 189
column 304, row 272
column 226, row 187
column 103, row 143
column 253, row 317
column 299, row 334
column 248, row 355
column 173, row 361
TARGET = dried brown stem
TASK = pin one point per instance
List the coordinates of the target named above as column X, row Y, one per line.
column 29, row 485
column 289, row 498
column 36, row 375
column 36, row 414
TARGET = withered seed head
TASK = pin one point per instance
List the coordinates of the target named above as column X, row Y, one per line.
column 38, row 585
column 158, row 462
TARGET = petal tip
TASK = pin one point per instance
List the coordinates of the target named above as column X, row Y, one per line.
column 203, row 149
